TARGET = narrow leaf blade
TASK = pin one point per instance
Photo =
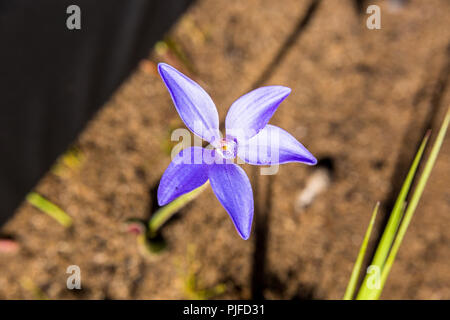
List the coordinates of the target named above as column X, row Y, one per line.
column 351, row 287
column 418, row 191
column 385, row 244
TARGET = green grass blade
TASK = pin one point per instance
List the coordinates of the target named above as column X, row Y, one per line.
column 49, row 208
column 396, row 214
column 414, row 201
column 351, row 287
column 164, row 213
column 392, row 226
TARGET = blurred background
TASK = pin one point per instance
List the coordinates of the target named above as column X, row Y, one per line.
column 86, row 123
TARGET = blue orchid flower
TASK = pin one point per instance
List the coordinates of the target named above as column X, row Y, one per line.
column 248, row 137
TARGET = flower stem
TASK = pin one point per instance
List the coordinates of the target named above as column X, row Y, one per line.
column 164, row 213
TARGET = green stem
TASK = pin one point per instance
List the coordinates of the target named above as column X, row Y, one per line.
column 164, row 213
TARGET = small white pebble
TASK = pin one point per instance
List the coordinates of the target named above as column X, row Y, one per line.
column 317, row 183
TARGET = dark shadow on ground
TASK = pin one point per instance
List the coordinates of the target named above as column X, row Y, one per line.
column 262, row 210
column 54, row 79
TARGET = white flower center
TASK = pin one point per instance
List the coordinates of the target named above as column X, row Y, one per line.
column 227, row 148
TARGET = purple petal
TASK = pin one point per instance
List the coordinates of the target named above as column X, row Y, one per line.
column 194, row 105
column 250, row 113
column 232, row 187
column 187, row 171
column 273, row 145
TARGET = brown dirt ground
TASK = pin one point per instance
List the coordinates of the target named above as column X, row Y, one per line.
column 359, row 96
